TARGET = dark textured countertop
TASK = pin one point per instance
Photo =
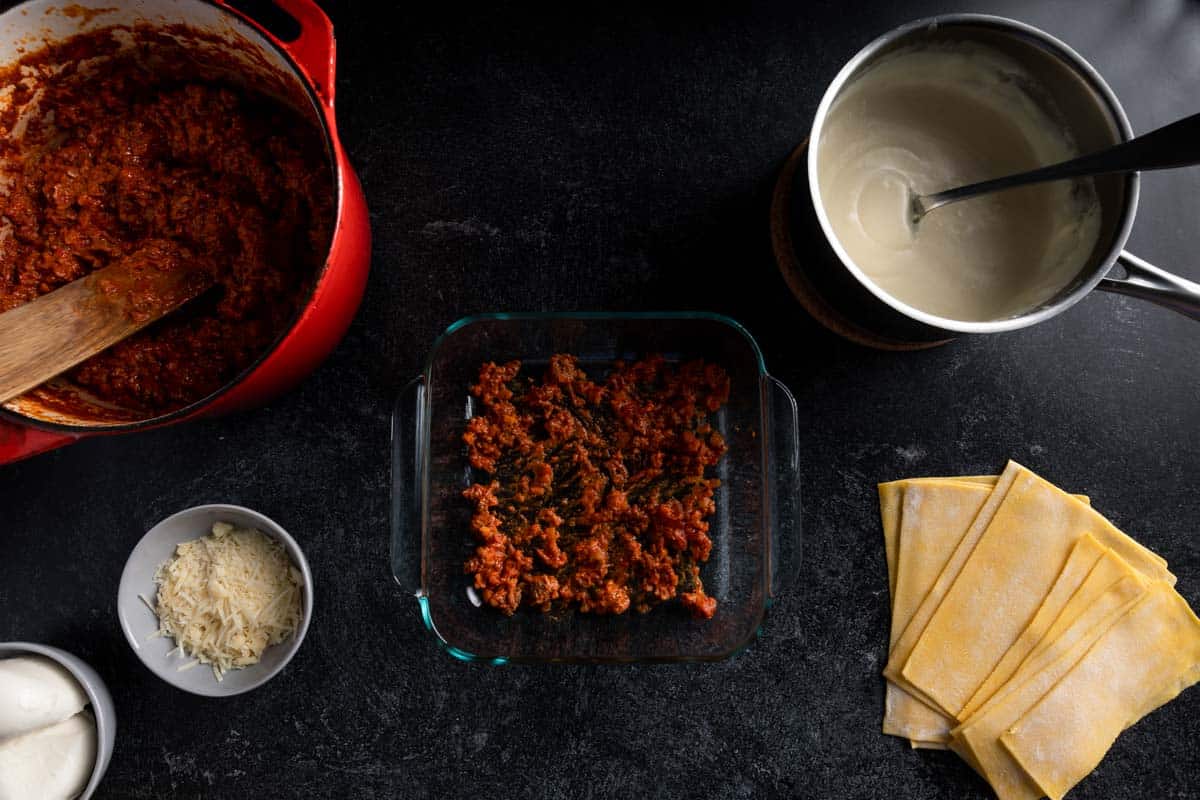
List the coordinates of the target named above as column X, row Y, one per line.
column 609, row 157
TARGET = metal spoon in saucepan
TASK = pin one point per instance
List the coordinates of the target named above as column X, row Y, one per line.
column 54, row 332
column 1175, row 145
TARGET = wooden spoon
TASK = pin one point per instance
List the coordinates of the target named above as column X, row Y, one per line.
column 58, row 330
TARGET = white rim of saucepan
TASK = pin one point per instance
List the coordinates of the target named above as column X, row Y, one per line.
column 167, row 671
column 1051, row 45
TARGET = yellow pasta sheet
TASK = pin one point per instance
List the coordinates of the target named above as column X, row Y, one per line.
column 930, row 517
column 890, row 497
column 1079, row 568
column 1143, row 660
column 1010, row 559
column 923, row 521
column 1091, row 613
column 903, row 645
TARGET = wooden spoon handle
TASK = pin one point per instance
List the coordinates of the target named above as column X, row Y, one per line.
column 59, row 330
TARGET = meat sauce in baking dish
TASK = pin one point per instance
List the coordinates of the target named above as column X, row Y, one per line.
column 596, row 497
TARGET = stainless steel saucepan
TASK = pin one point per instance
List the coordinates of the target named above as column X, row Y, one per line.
column 1095, row 119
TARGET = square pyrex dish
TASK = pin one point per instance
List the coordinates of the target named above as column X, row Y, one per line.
column 755, row 530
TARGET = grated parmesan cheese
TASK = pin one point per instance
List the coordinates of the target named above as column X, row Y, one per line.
column 224, row 598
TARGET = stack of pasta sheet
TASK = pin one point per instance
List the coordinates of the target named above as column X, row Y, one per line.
column 1027, row 631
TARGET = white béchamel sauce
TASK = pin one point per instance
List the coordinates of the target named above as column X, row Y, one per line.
column 932, row 119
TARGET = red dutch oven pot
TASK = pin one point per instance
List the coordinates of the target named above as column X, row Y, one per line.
column 303, row 69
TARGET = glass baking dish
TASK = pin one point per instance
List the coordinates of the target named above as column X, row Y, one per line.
column 755, row 530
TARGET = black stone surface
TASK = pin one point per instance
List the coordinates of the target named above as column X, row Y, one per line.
column 606, row 156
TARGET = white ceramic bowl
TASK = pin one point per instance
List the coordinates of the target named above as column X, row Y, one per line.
column 102, row 707
column 139, row 623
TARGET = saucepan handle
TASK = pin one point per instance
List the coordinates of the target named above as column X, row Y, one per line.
column 409, row 435
column 1156, row 285
column 314, row 49
column 783, row 485
column 19, row 441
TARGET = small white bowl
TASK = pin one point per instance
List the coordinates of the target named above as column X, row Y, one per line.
column 139, row 623
column 102, row 707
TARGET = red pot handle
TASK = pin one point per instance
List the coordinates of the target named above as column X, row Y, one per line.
column 18, row 442
column 314, row 50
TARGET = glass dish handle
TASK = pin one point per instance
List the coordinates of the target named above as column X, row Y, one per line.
column 408, row 459
column 783, row 486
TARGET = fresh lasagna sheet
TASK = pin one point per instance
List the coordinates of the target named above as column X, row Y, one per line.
column 1027, row 630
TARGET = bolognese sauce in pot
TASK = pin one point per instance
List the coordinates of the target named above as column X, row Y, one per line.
column 147, row 154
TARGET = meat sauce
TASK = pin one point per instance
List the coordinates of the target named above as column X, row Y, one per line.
column 130, row 161
column 596, row 497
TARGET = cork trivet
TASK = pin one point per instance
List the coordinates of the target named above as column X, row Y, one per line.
column 814, row 302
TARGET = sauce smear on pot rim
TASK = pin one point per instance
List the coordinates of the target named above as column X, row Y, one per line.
column 597, row 498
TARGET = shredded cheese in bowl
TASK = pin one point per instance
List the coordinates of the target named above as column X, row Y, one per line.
column 225, row 597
